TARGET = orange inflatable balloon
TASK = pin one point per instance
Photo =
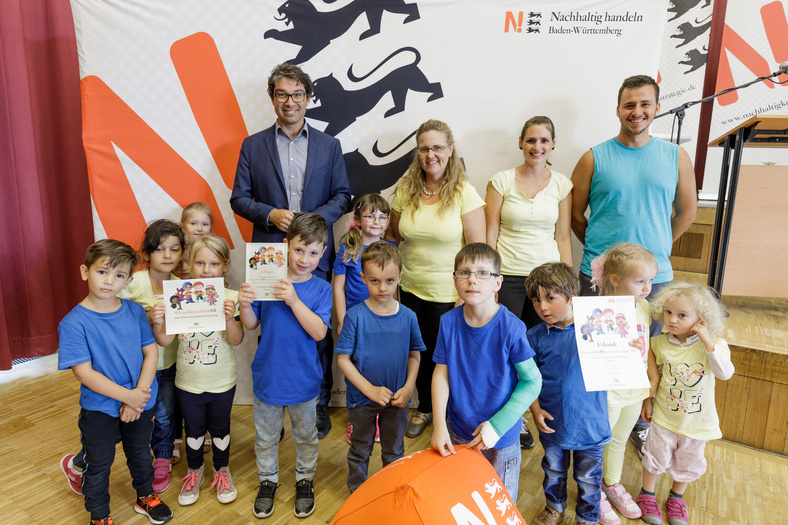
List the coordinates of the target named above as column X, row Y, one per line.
column 425, row 488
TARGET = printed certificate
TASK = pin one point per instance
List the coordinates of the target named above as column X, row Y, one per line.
column 604, row 327
column 195, row 305
column 266, row 265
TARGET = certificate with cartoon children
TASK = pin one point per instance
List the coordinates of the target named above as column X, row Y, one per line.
column 267, row 264
column 195, row 305
column 605, row 328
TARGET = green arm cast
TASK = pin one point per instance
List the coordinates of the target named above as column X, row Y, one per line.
column 529, row 384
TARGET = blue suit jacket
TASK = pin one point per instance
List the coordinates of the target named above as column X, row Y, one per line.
column 260, row 185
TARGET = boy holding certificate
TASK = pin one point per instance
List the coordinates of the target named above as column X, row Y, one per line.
column 570, row 419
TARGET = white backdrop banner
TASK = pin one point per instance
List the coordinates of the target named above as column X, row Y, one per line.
column 170, row 89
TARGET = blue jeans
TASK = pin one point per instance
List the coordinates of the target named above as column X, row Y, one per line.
column 164, row 414
column 505, row 461
column 587, row 472
column 268, row 421
column 99, row 434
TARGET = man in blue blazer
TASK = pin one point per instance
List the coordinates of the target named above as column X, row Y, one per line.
column 292, row 167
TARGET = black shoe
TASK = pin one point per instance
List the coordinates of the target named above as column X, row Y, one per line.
column 638, row 438
column 526, row 439
column 323, row 421
column 305, row 498
column 264, row 502
column 154, row 508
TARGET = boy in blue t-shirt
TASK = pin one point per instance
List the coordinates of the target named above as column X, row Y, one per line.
column 108, row 345
column 485, row 376
column 379, row 354
column 286, row 370
column 571, row 421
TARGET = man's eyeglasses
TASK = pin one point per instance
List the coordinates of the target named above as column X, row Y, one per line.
column 373, row 218
column 298, row 96
column 480, row 274
column 435, row 149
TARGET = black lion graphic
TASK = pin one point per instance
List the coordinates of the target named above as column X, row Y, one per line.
column 368, row 178
column 340, row 107
column 314, row 30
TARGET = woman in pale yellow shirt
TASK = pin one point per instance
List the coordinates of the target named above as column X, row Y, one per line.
column 528, row 216
column 434, row 212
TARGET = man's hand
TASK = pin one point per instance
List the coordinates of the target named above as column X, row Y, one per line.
column 281, row 218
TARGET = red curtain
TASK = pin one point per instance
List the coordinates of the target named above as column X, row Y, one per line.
column 46, row 221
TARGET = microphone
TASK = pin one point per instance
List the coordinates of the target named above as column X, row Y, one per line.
column 782, row 69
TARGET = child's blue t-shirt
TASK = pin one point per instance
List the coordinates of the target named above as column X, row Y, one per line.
column 481, row 363
column 355, row 289
column 286, row 369
column 112, row 343
column 579, row 417
column 379, row 346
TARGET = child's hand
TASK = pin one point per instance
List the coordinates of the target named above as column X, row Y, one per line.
column 648, row 407
column 284, row 290
column 379, row 394
column 128, row 414
column 441, row 442
column 640, row 344
column 157, row 314
column 137, row 397
column 703, row 333
column 246, row 295
column 401, row 397
column 539, row 417
column 229, row 310
column 477, row 442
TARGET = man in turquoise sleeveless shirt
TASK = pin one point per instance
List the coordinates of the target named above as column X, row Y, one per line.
column 633, row 183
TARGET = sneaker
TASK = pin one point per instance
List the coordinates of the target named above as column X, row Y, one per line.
column 225, row 489
column 176, row 451
column 161, row 474
column 377, row 429
column 677, row 511
column 608, row 517
column 638, row 438
column 323, row 421
column 549, row 516
column 305, row 498
column 264, row 502
column 418, row 422
column 154, row 508
column 526, row 439
column 621, row 500
column 103, row 521
column 73, row 477
column 649, row 509
column 190, row 491
column 349, row 432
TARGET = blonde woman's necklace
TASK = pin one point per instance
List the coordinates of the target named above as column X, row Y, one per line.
column 428, row 193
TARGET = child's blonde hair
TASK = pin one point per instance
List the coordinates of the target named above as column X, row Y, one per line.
column 353, row 240
column 193, row 207
column 217, row 245
column 703, row 299
column 619, row 261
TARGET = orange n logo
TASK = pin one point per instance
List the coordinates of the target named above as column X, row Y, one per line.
column 108, row 121
column 776, row 28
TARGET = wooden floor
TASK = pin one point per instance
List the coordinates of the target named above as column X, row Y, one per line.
column 38, row 426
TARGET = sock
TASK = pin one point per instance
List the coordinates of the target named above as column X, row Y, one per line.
column 674, row 495
column 647, row 493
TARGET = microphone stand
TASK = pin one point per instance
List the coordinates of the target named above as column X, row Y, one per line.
column 679, row 111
